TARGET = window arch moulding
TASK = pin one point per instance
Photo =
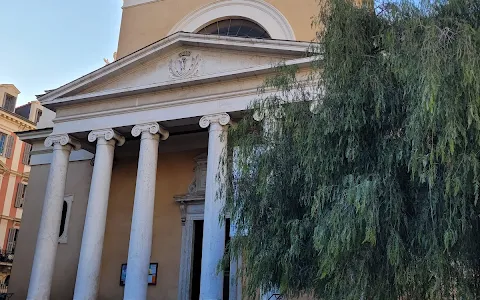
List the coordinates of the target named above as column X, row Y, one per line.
column 266, row 15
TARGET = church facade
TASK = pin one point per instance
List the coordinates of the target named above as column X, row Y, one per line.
column 122, row 201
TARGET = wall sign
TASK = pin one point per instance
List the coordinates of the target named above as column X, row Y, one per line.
column 152, row 274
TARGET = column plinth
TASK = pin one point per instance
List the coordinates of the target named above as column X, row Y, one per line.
column 47, row 239
column 213, row 247
column 88, row 274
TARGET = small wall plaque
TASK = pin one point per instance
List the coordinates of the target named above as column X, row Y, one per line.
column 152, row 274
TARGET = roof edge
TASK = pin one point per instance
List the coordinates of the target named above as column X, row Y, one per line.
column 34, row 135
column 179, row 37
column 12, row 85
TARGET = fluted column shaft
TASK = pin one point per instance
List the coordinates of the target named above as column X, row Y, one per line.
column 140, row 245
column 88, row 274
column 211, row 281
column 47, row 239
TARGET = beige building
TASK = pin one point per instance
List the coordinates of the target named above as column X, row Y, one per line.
column 14, row 171
column 122, row 196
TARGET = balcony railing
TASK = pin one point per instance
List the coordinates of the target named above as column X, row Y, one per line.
column 6, row 257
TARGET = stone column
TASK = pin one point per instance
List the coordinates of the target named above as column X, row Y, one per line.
column 139, row 249
column 211, row 281
column 235, row 260
column 270, row 125
column 88, row 274
column 47, row 240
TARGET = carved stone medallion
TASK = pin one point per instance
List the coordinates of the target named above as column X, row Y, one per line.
column 184, row 65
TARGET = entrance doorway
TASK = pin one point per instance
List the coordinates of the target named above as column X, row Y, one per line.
column 197, row 260
column 226, row 273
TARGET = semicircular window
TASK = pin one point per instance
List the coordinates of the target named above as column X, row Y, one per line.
column 236, row 28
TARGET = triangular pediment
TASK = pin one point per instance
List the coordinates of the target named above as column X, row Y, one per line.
column 182, row 58
column 188, row 63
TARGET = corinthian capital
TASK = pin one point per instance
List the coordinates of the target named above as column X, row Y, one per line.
column 222, row 119
column 107, row 134
column 63, row 140
column 152, row 128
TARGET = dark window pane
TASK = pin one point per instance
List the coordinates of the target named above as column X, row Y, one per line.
column 226, row 272
column 3, row 139
column 64, row 217
column 237, row 28
column 197, row 259
column 9, row 103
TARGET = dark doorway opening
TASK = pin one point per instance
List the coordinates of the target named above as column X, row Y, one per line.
column 226, row 273
column 197, row 259
column 64, row 218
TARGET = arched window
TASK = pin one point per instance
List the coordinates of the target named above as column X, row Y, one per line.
column 64, row 218
column 259, row 12
column 236, row 28
column 64, row 221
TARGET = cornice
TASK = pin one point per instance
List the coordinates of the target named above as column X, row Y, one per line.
column 34, row 135
column 22, row 123
column 9, row 85
column 10, row 218
column 180, row 83
column 166, row 104
column 5, row 170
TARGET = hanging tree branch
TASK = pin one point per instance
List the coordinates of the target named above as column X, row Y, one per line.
column 375, row 195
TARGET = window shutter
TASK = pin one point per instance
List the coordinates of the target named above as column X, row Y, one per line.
column 20, row 195
column 9, row 146
column 26, row 154
column 11, row 240
column 38, row 115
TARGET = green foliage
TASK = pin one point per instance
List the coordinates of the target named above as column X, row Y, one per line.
column 375, row 196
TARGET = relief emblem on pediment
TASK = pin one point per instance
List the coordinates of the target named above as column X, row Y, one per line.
column 184, row 65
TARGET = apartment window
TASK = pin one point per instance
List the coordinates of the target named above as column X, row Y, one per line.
column 6, row 144
column 3, row 142
column 20, row 199
column 9, row 102
column 67, row 207
column 63, row 221
column 26, row 154
column 12, row 240
column 38, row 114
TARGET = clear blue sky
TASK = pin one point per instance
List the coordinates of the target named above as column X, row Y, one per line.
column 51, row 42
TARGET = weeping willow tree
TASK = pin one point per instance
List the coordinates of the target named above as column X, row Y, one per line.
column 362, row 179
